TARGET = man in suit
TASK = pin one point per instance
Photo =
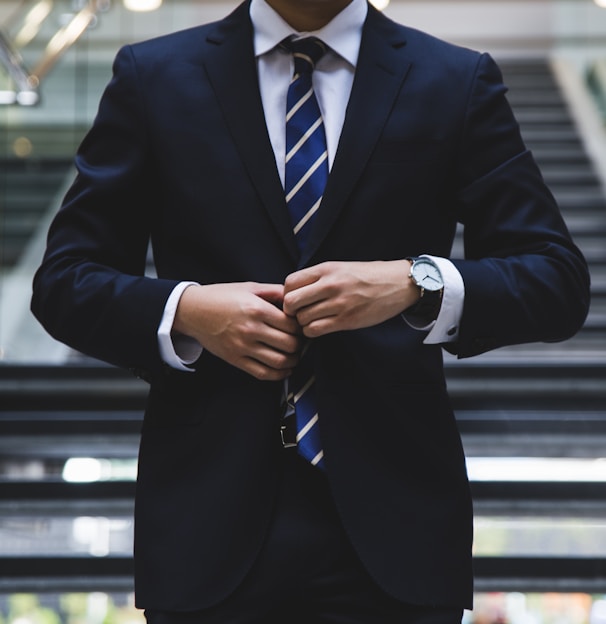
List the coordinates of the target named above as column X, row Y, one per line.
column 234, row 523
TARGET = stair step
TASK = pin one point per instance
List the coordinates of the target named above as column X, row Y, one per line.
column 27, row 388
column 26, row 187
column 569, row 174
column 26, row 202
column 598, row 278
column 17, row 180
column 520, row 99
column 550, row 120
column 572, row 154
column 518, row 82
column 586, row 222
column 550, row 134
column 21, row 225
column 582, row 198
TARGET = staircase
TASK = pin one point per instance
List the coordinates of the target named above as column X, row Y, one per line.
column 33, row 169
column 550, row 133
column 28, row 189
column 546, row 401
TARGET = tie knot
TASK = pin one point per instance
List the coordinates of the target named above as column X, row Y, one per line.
column 306, row 52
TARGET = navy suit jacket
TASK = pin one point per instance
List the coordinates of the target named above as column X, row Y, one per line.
column 179, row 152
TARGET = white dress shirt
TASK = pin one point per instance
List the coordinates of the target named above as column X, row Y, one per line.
column 332, row 79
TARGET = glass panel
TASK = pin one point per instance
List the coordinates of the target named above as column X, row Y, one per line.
column 552, row 608
column 39, row 466
column 525, row 535
column 58, row 535
column 44, row 531
column 72, row 470
column 117, row 608
column 545, row 469
column 69, row 608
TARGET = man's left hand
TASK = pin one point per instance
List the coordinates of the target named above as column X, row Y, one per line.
column 337, row 296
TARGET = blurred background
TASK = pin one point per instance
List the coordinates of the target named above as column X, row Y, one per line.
column 532, row 418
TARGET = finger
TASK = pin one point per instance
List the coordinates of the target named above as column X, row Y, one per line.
column 282, row 342
column 273, row 358
column 262, row 372
column 272, row 293
column 321, row 327
column 317, row 311
column 268, row 364
column 306, row 296
column 281, row 321
column 266, row 308
column 302, row 278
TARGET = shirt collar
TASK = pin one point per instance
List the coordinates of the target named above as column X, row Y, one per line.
column 343, row 34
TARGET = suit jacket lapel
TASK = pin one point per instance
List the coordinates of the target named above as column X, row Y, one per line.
column 380, row 73
column 381, row 70
column 232, row 70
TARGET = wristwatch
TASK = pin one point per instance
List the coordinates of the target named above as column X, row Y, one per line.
column 424, row 272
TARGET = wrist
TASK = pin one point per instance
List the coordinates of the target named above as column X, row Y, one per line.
column 187, row 311
column 426, row 277
column 402, row 291
column 413, row 291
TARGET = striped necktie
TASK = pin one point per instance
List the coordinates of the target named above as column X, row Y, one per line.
column 306, row 173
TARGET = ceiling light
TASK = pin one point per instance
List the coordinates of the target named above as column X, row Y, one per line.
column 382, row 4
column 32, row 22
column 142, row 5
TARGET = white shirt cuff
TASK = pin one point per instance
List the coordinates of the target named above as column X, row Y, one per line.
column 446, row 327
column 176, row 350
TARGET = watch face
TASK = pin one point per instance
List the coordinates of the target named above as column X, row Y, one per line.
column 427, row 275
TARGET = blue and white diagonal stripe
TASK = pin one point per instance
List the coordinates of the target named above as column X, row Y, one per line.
column 306, row 170
column 306, row 174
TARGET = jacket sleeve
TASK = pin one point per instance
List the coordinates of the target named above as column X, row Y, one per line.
column 90, row 291
column 525, row 280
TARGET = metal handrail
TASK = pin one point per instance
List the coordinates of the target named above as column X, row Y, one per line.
column 26, row 83
column 26, row 91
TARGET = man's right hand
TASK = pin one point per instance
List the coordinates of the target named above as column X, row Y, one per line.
column 243, row 324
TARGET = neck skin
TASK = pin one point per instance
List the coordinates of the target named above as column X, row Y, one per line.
column 308, row 15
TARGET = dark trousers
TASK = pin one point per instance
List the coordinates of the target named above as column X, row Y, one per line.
column 307, row 572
